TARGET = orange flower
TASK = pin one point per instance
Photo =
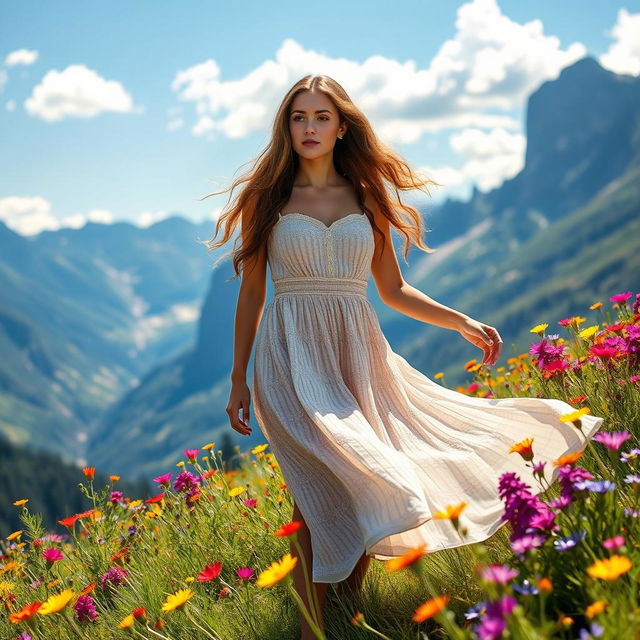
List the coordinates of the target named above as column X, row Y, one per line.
column 407, row 559
column 595, row 608
column 139, row 613
column 544, row 584
column 287, row 529
column 68, row 522
column 25, row 613
column 609, row 568
column 569, row 458
column 430, row 608
column 524, row 448
column 89, row 472
column 113, row 479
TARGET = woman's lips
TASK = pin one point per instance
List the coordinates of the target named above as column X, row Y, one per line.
column 310, row 143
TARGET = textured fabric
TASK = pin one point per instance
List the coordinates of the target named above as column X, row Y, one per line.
column 370, row 448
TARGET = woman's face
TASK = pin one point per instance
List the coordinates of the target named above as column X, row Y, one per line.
column 314, row 117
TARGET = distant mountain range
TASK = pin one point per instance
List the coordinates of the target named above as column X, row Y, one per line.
column 102, row 358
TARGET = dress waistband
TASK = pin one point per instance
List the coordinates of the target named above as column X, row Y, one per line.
column 317, row 285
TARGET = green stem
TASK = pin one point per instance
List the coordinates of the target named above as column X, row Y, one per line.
column 316, row 630
column 311, row 594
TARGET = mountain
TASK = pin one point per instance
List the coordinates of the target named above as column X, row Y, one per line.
column 85, row 313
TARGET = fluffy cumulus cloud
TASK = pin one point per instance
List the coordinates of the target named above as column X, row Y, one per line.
column 76, row 92
column 477, row 79
column 31, row 215
column 21, row 56
column 623, row 55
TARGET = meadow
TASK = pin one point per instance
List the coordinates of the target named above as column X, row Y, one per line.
column 210, row 555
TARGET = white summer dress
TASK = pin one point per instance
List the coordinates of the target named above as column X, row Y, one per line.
column 369, row 447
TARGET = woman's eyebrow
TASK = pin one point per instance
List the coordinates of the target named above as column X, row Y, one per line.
column 317, row 111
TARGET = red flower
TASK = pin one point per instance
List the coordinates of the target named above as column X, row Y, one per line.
column 287, row 529
column 210, row 572
column 89, row 472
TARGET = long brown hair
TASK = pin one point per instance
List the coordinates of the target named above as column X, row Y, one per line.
column 360, row 157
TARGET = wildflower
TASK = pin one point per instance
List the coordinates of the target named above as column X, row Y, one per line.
column 191, row 454
column 539, row 329
column 524, row 448
column 210, row 572
column 451, row 512
column 594, row 631
column 526, row 588
column 597, row 486
column 563, row 544
column 612, row 439
column 177, row 600
column 68, row 522
column 595, row 608
column 21, row 502
column 250, row 502
column 613, row 543
column 139, row 613
column 407, row 559
column 52, row 555
column 277, row 571
column 114, row 479
column 224, row 592
column 25, row 613
column 186, row 480
column 609, row 568
column 236, row 491
column 621, row 298
column 85, row 608
column 287, row 529
column 114, row 577
column 14, row 535
column 209, row 446
column 89, row 472
column 164, row 479
column 259, row 449
column 116, row 497
column 244, row 572
column 430, row 608
column 527, row 542
column 56, row 602
column 126, row 622
column 498, row 573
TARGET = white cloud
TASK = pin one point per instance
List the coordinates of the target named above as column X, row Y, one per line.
column 623, row 55
column 21, row 56
column 492, row 63
column 31, row 215
column 10, row 105
column 148, row 218
column 77, row 92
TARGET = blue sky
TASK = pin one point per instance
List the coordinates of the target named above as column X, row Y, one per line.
column 135, row 110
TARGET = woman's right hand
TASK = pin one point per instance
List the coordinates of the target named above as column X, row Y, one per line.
column 239, row 399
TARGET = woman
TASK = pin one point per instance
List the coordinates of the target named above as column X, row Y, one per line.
column 369, row 447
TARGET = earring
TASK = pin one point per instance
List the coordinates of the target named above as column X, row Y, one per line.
column 339, row 137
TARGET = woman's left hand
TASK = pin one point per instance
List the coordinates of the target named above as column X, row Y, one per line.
column 483, row 336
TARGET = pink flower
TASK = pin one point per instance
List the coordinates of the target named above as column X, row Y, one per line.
column 191, row 454
column 163, row 479
column 250, row 502
column 244, row 572
column 612, row 439
column 613, row 543
column 621, row 297
column 498, row 573
column 52, row 554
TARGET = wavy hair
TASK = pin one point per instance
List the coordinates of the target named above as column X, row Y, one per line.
column 359, row 156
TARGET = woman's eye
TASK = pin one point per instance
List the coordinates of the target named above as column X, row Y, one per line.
column 320, row 118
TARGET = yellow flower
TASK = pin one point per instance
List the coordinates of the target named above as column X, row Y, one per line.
column 259, row 449
column 576, row 415
column 609, row 568
column 595, row 608
column 180, row 464
column 209, row 446
column 21, row 502
column 135, row 503
column 450, row 512
column 14, row 535
column 113, row 479
column 56, row 602
column 189, row 579
column 236, row 491
column 596, row 305
column 177, row 600
column 539, row 328
column 438, row 375
column 277, row 571
column 6, row 587
column 126, row 622
column 589, row 331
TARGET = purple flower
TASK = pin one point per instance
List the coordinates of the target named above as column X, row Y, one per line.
column 526, row 588
column 85, row 608
column 563, row 544
column 475, row 612
column 597, row 486
column 629, row 455
column 635, row 478
column 186, row 480
column 498, row 573
column 115, row 577
column 132, row 529
column 527, row 542
column 594, row 631
column 612, row 439
column 568, row 475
